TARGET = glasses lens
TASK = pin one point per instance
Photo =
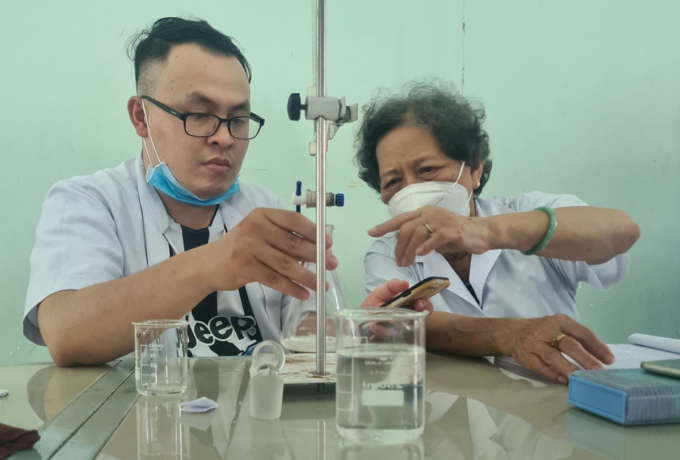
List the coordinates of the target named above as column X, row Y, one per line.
column 201, row 124
column 244, row 127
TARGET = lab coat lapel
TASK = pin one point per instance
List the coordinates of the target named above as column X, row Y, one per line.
column 480, row 266
column 155, row 219
column 434, row 264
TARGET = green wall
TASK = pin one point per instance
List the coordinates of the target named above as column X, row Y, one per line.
column 581, row 97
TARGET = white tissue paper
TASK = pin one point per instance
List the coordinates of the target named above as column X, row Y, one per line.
column 3, row 393
column 200, row 405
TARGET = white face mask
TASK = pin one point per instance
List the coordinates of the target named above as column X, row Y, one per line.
column 448, row 195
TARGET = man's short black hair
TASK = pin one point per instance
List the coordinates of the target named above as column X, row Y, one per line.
column 454, row 123
column 154, row 44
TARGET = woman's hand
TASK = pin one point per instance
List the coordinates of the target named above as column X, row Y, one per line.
column 385, row 292
column 382, row 294
column 528, row 342
column 451, row 233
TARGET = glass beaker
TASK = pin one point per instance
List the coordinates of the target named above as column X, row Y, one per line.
column 161, row 356
column 299, row 329
column 380, row 371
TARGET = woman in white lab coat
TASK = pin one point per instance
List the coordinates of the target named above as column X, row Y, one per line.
column 514, row 263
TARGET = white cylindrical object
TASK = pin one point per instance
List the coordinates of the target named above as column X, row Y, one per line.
column 266, row 396
column 659, row 343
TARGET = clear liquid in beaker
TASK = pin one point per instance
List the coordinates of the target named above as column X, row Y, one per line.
column 379, row 393
column 161, row 357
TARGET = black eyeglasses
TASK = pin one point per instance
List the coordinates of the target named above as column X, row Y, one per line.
column 205, row 124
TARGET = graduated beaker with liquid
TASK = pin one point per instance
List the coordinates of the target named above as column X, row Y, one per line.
column 380, row 371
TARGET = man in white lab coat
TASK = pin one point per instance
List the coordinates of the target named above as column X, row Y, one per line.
column 172, row 232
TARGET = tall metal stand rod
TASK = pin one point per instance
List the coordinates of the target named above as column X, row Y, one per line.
column 321, row 148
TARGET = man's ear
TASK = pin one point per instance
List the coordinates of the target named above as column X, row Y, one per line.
column 136, row 114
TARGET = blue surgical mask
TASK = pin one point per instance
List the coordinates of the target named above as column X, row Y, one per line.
column 161, row 178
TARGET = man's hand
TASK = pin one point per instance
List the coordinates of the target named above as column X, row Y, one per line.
column 451, row 233
column 528, row 342
column 385, row 292
column 267, row 247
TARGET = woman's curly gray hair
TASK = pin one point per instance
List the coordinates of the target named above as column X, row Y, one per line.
column 454, row 123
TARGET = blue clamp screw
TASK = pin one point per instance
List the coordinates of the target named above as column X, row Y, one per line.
column 340, row 199
column 298, row 192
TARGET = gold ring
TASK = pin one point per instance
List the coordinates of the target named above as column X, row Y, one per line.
column 429, row 229
column 555, row 341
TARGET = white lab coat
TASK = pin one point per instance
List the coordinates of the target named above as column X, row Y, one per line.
column 506, row 282
column 112, row 224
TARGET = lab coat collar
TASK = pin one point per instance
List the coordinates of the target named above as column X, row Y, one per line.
column 151, row 202
column 238, row 202
column 156, row 221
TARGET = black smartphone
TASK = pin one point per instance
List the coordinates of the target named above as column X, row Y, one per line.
column 423, row 290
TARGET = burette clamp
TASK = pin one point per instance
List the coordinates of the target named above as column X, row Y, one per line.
column 308, row 199
column 332, row 109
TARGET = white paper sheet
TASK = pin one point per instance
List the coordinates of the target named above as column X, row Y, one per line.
column 627, row 356
column 630, row 356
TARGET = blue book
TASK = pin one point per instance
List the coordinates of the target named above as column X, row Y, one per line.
column 626, row 396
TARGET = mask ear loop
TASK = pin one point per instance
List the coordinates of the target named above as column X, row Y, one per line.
column 146, row 148
column 460, row 173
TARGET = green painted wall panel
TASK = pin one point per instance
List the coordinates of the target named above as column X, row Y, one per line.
column 581, row 97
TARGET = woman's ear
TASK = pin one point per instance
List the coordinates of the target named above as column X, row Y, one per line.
column 476, row 175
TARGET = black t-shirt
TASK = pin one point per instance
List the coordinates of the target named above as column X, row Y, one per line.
column 223, row 323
